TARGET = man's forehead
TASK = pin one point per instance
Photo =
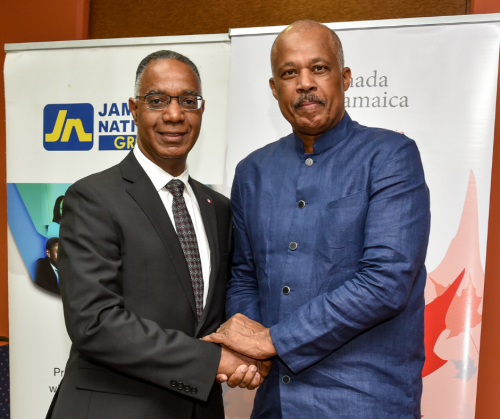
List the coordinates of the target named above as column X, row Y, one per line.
column 308, row 51
column 309, row 60
column 167, row 92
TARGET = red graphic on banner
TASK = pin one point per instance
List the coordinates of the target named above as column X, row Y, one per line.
column 439, row 288
column 435, row 315
column 454, row 293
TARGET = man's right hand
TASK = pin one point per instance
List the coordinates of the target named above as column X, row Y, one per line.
column 239, row 370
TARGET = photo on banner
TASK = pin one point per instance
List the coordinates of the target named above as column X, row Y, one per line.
column 34, row 213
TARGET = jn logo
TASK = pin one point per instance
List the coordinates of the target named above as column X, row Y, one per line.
column 68, row 127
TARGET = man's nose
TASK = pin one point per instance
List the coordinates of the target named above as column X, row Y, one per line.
column 173, row 112
column 306, row 81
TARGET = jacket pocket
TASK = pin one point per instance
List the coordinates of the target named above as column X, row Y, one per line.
column 106, row 381
column 343, row 221
column 353, row 200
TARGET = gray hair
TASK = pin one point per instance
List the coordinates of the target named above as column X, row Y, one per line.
column 308, row 24
column 162, row 55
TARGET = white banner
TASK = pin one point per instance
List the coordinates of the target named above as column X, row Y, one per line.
column 88, row 90
column 437, row 84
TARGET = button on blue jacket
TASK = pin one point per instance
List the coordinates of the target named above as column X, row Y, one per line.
column 329, row 253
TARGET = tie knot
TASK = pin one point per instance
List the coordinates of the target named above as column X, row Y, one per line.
column 175, row 187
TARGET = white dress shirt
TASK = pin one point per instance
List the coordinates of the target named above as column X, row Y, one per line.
column 160, row 178
column 56, row 272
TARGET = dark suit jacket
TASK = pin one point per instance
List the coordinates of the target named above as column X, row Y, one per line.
column 45, row 276
column 129, row 304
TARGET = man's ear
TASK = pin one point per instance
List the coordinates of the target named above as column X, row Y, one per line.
column 47, row 252
column 346, row 78
column 132, row 105
column 273, row 87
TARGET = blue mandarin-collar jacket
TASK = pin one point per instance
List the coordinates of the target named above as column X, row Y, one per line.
column 339, row 280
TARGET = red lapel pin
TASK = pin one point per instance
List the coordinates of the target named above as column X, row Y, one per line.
column 208, row 200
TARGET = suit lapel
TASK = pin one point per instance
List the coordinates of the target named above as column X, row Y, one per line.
column 207, row 209
column 144, row 193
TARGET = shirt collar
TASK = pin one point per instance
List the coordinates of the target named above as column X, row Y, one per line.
column 330, row 138
column 157, row 175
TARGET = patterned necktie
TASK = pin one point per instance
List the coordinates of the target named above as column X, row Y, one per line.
column 187, row 238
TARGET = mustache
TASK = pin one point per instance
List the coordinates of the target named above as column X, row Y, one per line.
column 308, row 97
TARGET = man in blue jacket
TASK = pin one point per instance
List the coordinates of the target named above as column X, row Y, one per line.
column 331, row 230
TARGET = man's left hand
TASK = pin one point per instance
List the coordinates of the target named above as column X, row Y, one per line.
column 245, row 336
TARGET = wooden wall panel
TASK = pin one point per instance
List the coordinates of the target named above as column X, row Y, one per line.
column 488, row 380
column 130, row 18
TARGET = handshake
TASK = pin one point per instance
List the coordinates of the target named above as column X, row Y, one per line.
column 246, row 351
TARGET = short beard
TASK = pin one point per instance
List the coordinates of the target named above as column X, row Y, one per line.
column 309, row 97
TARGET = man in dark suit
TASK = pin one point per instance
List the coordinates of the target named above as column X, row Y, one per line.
column 143, row 264
column 46, row 275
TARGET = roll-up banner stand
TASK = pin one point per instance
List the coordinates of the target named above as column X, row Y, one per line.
column 432, row 78
column 68, row 117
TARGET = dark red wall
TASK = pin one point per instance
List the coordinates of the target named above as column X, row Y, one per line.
column 488, row 386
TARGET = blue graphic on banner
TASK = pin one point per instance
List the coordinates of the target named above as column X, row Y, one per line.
column 30, row 243
column 68, row 127
column 116, row 142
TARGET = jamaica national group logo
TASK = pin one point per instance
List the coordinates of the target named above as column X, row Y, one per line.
column 68, row 127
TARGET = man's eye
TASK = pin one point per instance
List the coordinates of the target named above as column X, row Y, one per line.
column 289, row 73
column 156, row 100
column 320, row 68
